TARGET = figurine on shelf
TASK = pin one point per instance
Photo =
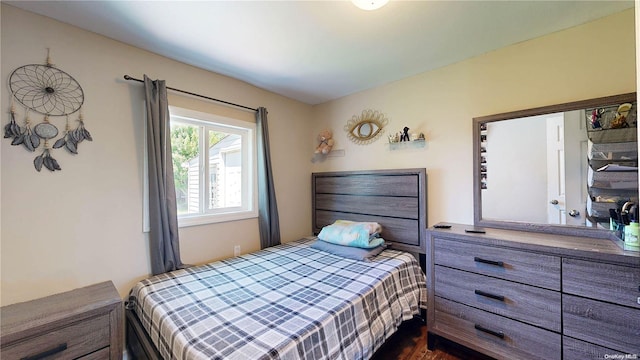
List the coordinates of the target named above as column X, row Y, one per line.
column 405, row 134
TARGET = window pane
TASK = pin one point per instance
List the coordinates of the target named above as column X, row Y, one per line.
column 185, row 151
column 213, row 167
column 225, row 170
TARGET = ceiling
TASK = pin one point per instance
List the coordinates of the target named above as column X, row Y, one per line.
column 315, row 51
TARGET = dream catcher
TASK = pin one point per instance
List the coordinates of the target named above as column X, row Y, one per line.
column 49, row 91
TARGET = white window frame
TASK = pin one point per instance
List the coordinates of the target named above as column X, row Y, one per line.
column 247, row 132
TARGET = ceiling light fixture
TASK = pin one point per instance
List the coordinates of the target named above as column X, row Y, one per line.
column 369, row 4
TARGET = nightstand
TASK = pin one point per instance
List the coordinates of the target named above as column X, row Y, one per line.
column 84, row 323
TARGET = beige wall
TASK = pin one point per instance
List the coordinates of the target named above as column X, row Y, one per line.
column 592, row 60
column 83, row 224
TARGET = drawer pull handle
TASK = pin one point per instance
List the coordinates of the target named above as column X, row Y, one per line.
column 499, row 334
column 490, row 262
column 489, row 295
column 44, row 354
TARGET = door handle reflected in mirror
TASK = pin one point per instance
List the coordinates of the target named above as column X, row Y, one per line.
column 554, row 202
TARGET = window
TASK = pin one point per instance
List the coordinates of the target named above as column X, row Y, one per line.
column 213, row 167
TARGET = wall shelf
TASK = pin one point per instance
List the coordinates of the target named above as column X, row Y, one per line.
column 415, row 144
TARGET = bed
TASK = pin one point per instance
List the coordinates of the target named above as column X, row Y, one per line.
column 293, row 301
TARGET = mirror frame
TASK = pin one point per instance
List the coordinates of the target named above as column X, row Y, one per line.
column 526, row 226
column 369, row 118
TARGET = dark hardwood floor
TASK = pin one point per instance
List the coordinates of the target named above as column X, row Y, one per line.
column 410, row 343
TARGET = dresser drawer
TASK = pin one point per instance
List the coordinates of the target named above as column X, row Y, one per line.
column 612, row 326
column 607, row 282
column 493, row 334
column 524, row 267
column 540, row 307
column 72, row 341
column 102, row 354
column 573, row 349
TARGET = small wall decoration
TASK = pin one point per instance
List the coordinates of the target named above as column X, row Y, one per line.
column 404, row 136
column 49, row 91
column 366, row 127
column 325, row 137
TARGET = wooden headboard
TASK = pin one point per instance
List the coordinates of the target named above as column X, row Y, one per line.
column 396, row 199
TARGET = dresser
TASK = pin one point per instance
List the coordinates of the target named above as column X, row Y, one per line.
column 85, row 323
column 524, row 295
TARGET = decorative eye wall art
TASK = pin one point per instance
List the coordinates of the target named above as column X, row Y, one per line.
column 49, row 91
column 366, row 127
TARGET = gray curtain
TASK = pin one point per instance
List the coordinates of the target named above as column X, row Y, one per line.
column 267, row 207
column 163, row 218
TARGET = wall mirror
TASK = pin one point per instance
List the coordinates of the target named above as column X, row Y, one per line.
column 366, row 127
column 557, row 169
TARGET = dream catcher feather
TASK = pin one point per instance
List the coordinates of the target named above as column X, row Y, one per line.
column 48, row 91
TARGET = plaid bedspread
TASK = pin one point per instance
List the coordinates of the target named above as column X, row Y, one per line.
column 284, row 302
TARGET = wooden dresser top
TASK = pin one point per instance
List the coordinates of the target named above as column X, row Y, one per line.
column 561, row 245
column 53, row 310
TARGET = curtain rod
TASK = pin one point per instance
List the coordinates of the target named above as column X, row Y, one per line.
column 127, row 77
